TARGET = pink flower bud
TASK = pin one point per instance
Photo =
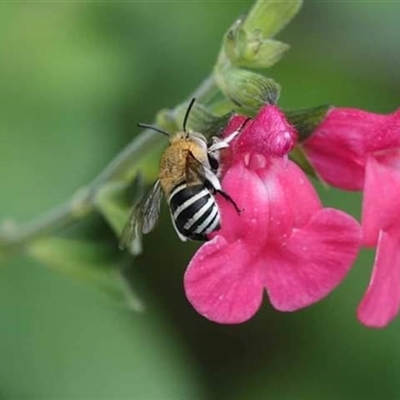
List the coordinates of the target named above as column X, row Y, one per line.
column 268, row 134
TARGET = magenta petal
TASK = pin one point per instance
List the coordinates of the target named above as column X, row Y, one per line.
column 381, row 302
column 222, row 283
column 336, row 148
column 292, row 197
column 338, row 169
column 313, row 262
column 340, row 146
column 270, row 134
column 252, row 199
column 381, row 202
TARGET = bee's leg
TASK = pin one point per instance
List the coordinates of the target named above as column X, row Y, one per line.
column 230, row 200
column 224, row 143
column 212, row 180
column 217, row 145
column 233, row 135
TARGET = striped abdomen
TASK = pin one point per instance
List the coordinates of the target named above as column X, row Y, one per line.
column 194, row 211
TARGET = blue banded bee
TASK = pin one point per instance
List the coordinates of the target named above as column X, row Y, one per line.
column 189, row 178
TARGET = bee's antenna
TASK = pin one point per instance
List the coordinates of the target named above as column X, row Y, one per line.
column 187, row 113
column 154, row 128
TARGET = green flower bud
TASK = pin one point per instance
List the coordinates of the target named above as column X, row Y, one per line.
column 247, row 89
column 267, row 17
column 248, row 42
column 235, row 41
column 252, row 50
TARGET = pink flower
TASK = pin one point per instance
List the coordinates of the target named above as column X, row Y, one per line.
column 283, row 241
column 357, row 150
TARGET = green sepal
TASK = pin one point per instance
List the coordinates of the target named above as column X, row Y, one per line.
column 86, row 262
column 247, row 89
column 262, row 53
column 299, row 156
column 115, row 200
column 306, row 120
column 202, row 119
column 219, row 124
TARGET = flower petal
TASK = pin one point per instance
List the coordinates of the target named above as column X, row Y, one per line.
column 338, row 169
column 269, row 134
column 273, row 198
column 249, row 193
column 339, row 147
column 381, row 203
column 221, row 282
column 381, row 302
column 291, row 196
column 313, row 261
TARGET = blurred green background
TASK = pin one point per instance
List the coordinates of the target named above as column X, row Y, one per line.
column 75, row 78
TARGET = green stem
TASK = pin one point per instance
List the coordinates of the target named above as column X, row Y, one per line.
column 14, row 238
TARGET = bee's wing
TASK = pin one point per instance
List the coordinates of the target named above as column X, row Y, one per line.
column 196, row 171
column 143, row 216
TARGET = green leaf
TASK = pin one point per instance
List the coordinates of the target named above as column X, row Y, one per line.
column 86, row 262
column 306, row 120
column 267, row 17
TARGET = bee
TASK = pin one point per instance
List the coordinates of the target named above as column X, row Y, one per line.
column 189, row 175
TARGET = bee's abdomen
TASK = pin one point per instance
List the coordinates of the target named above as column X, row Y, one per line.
column 194, row 211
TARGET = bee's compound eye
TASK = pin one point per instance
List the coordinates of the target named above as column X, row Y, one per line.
column 214, row 162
